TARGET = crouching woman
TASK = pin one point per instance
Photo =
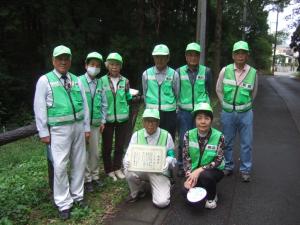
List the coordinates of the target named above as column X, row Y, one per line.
column 203, row 156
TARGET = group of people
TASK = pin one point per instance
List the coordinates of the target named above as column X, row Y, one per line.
column 71, row 112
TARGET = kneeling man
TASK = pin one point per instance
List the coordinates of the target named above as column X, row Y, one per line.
column 159, row 182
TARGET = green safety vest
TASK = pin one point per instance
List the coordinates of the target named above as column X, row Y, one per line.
column 93, row 100
column 160, row 96
column 210, row 151
column 186, row 99
column 237, row 98
column 118, row 108
column 67, row 106
column 162, row 140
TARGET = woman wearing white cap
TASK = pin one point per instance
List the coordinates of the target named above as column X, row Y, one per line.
column 116, row 88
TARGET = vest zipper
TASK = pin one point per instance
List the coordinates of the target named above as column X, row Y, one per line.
column 93, row 97
column 235, row 93
column 115, row 104
column 159, row 97
column 193, row 96
column 72, row 104
column 92, row 100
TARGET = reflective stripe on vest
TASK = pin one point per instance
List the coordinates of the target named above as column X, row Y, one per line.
column 210, row 151
column 160, row 96
column 189, row 94
column 60, row 119
column 67, row 107
column 237, row 98
column 94, row 102
column 118, row 108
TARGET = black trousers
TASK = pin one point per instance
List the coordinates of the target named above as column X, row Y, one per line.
column 208, row 180
column 168, row 122
column 119, row 131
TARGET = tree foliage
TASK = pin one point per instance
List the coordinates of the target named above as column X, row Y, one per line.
column 29, row 30
column 295, row 44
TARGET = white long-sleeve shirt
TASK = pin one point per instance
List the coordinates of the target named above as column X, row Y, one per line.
column 43, row 98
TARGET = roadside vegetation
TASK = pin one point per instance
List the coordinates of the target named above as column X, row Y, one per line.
column 25, row 195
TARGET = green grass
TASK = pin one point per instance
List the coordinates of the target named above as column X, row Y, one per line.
column 25, row 196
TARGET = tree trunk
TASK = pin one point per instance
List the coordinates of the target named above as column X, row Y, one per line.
column 218, row 38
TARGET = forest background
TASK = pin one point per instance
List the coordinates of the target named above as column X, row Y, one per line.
column 29, row 30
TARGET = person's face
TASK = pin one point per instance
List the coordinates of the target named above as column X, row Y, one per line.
column 62, row 63
column 240, row 57
column 150, row 125
column 114, row 68
column 192, row 58
column 203, row 123
column 93, row 63
column 161, row 61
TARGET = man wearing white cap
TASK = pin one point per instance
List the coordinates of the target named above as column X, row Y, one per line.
column 195, row 87
column 160, row 88
column 62, row 119
column 236, row 89
column 160, row 182
column 98, row 109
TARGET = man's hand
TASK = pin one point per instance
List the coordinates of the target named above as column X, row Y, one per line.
column 101, row 128
column 46, row 140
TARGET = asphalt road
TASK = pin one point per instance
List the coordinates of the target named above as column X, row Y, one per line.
column 273, row 195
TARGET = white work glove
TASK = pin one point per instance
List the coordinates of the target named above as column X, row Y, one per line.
column 170, row 161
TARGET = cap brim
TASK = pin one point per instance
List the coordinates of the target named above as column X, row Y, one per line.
column 192, row 50
column 247, row 50
column 160, row 53
column 63, row 53
column 150, row 117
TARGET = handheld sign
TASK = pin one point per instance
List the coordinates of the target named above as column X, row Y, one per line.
column 147, row 158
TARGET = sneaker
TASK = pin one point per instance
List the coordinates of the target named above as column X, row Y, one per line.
column 180, row 172
column 227, row 173
column 211, row 204
column 64, row 214
column 97, row 183
column 245, row 177
column 88, row 187
column 113, row 176
column 119, row 174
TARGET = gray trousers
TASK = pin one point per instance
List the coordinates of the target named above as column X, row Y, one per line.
column 92, row 156
column 68, row 146
column 160, row 186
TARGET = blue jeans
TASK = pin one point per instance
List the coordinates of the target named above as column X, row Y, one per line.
column 185, row 122
column 243, row 123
